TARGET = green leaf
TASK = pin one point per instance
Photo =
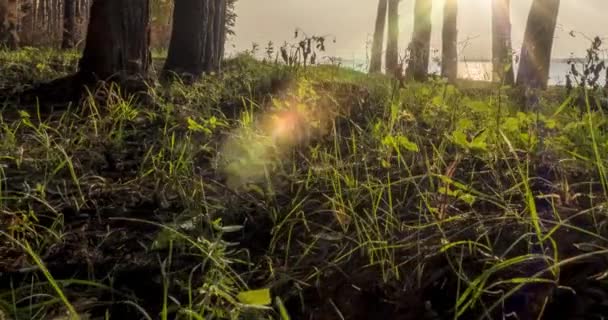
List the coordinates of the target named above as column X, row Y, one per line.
column 24, row 114
column 400, row 142
column 480, row 142
column 511, row 124
column 385, row 164
column 282, row 309
column 407, row 144
column 465, row 124
column 195, row 126
column 437, row 100
column 259, row 297
column 388, row 141
column 460, row 138
column 479, row 106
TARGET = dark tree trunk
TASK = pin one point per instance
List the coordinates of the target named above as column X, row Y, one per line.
column 69, row 24
column 118, row 37
column 188, row 38
column 222, row 30
column 536, row 50
column 502, row 52
column 116, row 50
column 375, row 65
column 211, row 50
column 392, row 47
column 449, row 61
column 8, row 24
column 420, row 48
column 197, row 39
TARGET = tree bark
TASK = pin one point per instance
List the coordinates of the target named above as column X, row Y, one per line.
column 117, row 45
column 211, row 50
column 222, row 30
column 69, row 24
column 420, row 48
column 8, row 24
column 188, row 37
column 536, row 50
column 502, row 56
column 197, row 39
column 392, row 46
column 378, row 42
column 449, row 61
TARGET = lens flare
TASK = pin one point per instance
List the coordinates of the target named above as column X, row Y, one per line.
column 254, row 151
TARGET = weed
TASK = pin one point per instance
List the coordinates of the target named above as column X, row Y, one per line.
column 272, row 192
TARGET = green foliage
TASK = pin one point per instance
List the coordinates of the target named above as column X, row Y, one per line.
column 386, row 187
column 304, row 51
column 259, row 297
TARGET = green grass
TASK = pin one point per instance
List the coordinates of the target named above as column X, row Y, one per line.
column 340, row 192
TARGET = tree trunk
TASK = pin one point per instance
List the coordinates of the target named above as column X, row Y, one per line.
column 420, row 48
column 378, row 42
column 8, row 24
column 69, row 24
column 502, row 56
column 535, row 58
column 188, row 37
column 197, row 39
column 117, row 45
column 449, row 60
column 211, row 50
column 392, row 46
column 222, row 30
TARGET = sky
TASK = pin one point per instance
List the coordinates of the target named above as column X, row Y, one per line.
column 351, row 23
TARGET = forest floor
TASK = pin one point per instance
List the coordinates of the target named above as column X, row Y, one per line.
column 278, row 193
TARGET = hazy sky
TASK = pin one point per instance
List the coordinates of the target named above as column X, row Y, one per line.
column 352, row 22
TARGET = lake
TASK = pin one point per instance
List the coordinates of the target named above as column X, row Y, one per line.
column 482, row 70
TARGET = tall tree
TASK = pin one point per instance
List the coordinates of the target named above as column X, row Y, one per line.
column 118, row 38
column 222, row 28
column 536, row 50
column 449, row 60
column 8, row 24
column 420, row 48
column 69, row 24
column 378, row 42
column 392, row 47
column 502, row 57
column 198, row 37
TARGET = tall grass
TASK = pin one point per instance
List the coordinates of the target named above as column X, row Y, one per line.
column 454, row 195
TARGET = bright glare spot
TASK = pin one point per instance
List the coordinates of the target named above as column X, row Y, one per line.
column 253, row 152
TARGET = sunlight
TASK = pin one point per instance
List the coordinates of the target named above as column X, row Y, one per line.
column 250, row 153
column 303, row 159
column 285, row 126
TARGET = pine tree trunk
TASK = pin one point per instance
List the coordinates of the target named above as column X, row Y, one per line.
column 188, row 37
column 8, row 24
column 117, row 45
column 392, row 47
column 210, row 50
column 221, row 31
column 378, row 42
column 502, row 57
column 197, row 39
column 535, row 60
column 69, row 24
column 449, row 61
column 420, row 48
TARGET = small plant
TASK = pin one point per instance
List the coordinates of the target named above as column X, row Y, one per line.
column 304, row 52
column 269, row 52
column 587, row 73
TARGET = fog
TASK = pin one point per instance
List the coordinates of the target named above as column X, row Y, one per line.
column 351, row 23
